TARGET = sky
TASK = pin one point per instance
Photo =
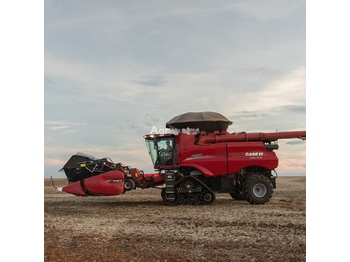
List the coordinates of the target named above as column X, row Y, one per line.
column 113, row 70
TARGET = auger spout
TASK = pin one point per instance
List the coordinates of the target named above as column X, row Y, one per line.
column 249, row 137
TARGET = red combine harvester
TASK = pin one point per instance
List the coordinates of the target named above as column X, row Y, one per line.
column 196, row 163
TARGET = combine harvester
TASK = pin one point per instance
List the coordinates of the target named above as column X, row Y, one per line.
column 195, row 161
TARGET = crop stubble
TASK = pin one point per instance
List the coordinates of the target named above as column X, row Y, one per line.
column 137, row 226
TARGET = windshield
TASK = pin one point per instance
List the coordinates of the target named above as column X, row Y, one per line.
column 161, row 150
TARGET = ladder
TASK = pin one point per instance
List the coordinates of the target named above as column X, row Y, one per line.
column 170, row 185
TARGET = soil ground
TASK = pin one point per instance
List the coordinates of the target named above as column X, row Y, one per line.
column 137, row 226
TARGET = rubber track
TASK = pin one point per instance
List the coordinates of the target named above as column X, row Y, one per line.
column 200, row 182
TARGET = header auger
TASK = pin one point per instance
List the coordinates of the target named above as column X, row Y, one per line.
column 192, row 167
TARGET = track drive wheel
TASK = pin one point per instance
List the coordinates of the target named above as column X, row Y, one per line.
column 171, row 200
column 257, row 189
column 196, row 201
column 207, row 197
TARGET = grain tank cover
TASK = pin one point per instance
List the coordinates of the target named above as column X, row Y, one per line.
column 204, row 121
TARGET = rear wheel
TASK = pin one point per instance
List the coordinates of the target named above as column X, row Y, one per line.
column 257, row 189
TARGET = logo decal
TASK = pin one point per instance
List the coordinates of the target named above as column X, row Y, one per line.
column 196, row 156
column 254, row 154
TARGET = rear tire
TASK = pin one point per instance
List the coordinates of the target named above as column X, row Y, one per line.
column 257, row 189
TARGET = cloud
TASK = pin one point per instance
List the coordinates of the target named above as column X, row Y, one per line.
column 56, row 131
column 295, row 142
column 58, row 127
column 286, row 92
column 54, row 125
column 47, row 80
column 54, row 162
column 150, row 80
column 291, row 161
column 247, row 115
column 267, row 10
column 279, row 104
column 294, row 108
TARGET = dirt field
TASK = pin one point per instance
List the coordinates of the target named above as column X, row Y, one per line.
column 137, row 226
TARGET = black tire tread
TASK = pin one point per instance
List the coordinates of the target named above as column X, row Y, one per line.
column 249, row 184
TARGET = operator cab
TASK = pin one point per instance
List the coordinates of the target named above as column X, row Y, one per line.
column 161, row 149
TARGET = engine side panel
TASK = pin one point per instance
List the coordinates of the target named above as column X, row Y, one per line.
column 227, row 158
column 246, row 154
column 211, row 157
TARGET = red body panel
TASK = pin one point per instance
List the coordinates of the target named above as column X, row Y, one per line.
column 244, row 154
column 210, row 160
column 155, row 178
column 223, row 158
column 149, row 180
column 74, row 188
column 109, row 183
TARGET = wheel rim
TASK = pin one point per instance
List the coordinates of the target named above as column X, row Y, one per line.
column 182, row 201
column 189, row 185
column 207, row 197
column 196, row 201
column 127, row 185
column 189, row 201
column 259, row 190
column 172, row 199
